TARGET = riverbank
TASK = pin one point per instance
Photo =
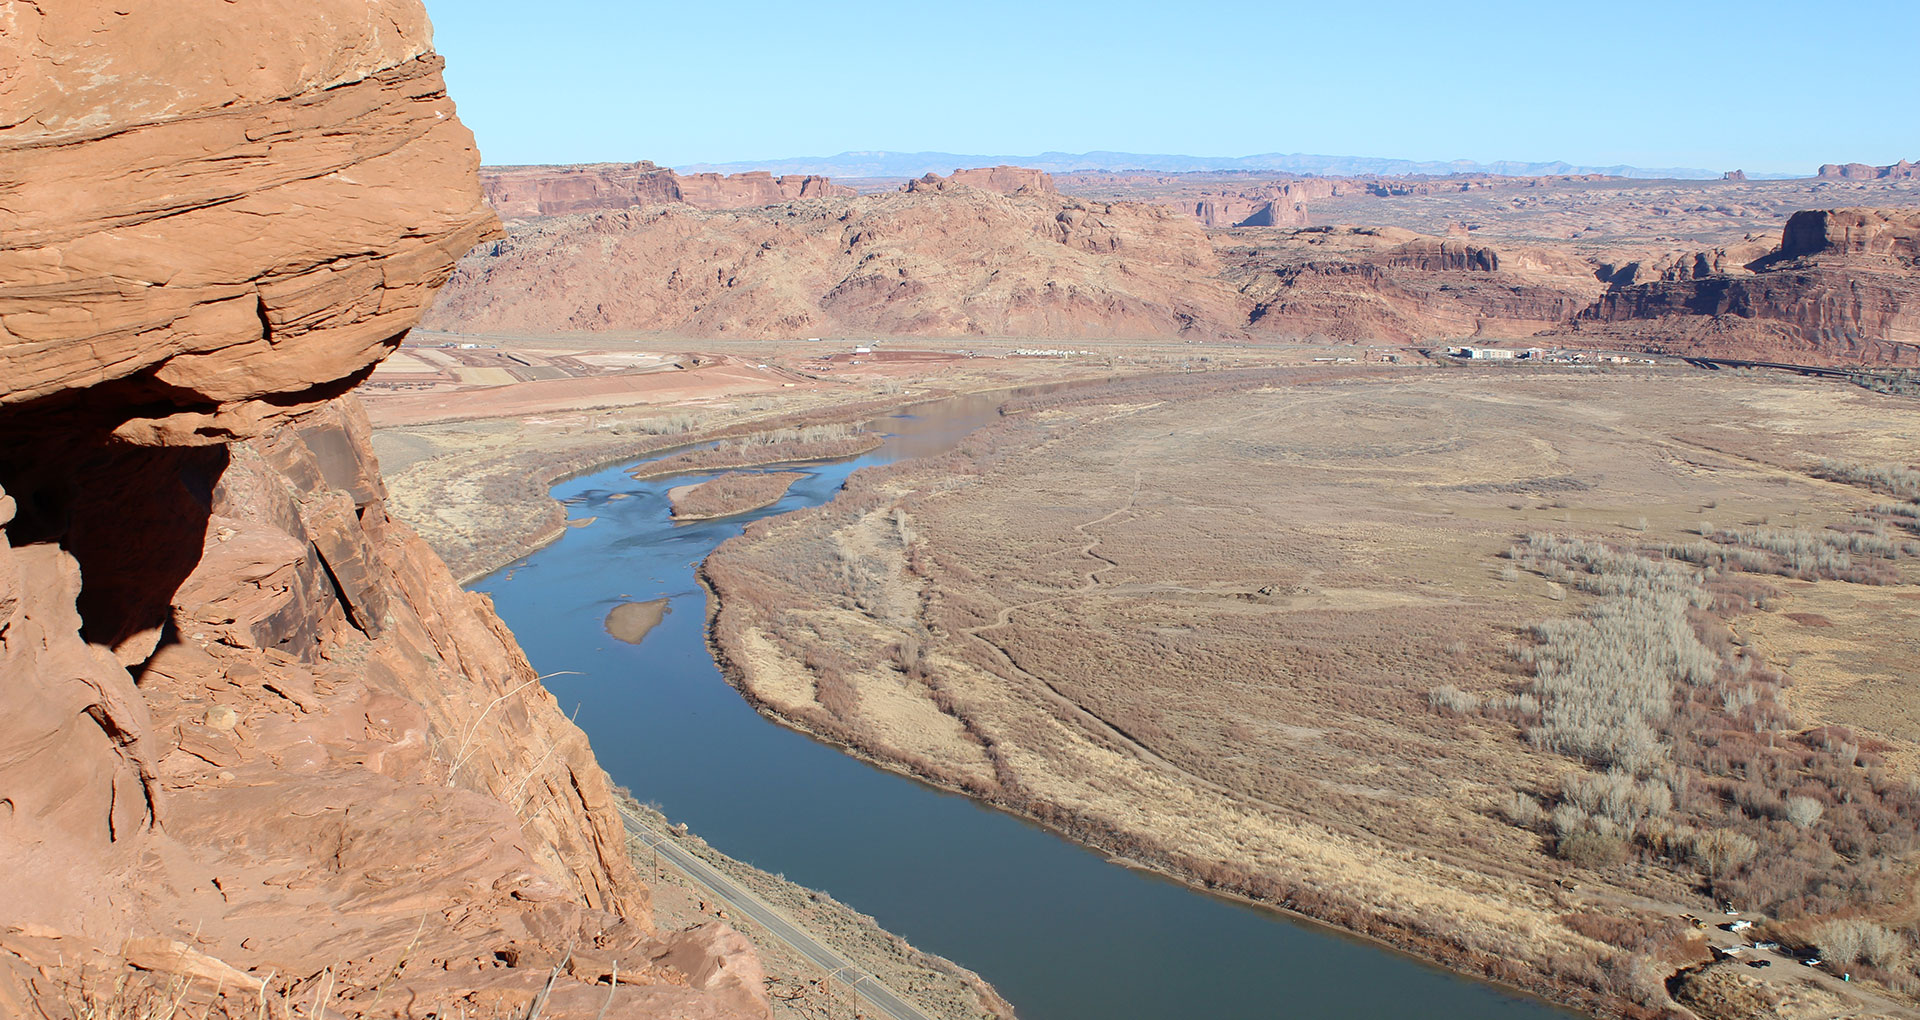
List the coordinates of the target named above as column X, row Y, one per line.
column 1060, row 930
column 471, row 470
column 797, row 987
column 479, row 491
column 1204, row 631
column 777, row 446
column 1347, row 917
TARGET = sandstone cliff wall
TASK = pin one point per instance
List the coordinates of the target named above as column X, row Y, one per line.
column 1843, row 287
column 948, row 259
column 254, row 741
column 945, row 260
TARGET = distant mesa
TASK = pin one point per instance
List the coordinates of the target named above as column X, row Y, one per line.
column 523, row 192
column 915, row 164
column 1901, row 171
column 1851, row 232
column 1006, row 180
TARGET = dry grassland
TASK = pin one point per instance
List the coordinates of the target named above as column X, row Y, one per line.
column 1308, row 639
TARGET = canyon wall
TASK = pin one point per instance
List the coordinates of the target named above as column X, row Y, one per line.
column 254, row 741
column 521, row 192
column 1381, row 284
column 1843, row 287
column 940, row 260
column 1001, row 252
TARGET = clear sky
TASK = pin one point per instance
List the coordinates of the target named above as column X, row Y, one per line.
column 1764, row 85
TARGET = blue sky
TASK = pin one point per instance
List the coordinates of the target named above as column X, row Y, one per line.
column 1765, row 85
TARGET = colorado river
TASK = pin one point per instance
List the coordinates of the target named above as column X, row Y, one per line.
column 1062, row 933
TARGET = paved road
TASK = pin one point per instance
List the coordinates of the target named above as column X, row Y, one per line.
column 747, row 904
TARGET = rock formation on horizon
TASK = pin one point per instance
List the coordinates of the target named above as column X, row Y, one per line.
column 1004, row 180
column 258, row 743
column 1900, row 171
column 1000, row 252
column 522, row 192
column 940, row 260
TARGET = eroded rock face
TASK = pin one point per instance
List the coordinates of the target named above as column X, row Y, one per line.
column 946, row 258
column 945, row 261
column 1843, row 287
column 1902, row 170
column 1004, row 180
column 109, row 163
column 1852, row 232
column 253, row 738
column 523, row 192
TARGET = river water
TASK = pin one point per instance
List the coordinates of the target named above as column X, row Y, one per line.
column 1061, row 933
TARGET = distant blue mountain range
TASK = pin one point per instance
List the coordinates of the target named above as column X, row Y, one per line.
column 914, row 164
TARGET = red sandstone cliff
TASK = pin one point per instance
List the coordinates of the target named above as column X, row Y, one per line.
column 939, row 260
column 520, row 192
column 947, row 258
column 1385, row 284
column 254, row 741
column 1842, row 288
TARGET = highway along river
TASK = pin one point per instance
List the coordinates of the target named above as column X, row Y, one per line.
column 1059, row 931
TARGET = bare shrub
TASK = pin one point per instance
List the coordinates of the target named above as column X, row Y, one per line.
column 1718, row 851
column 1453, row 699
column 1803, row 811
column 1852, row 940
column 1590, row 849
column 1522, row 810
column 1893, row 479
column 1618, row 797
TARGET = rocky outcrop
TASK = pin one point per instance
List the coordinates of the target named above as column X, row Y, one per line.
column 1673, row 266
column 1004, row 180
column 755, row 188
column 256, row 742
column 110, row 156
column 1385, row 284
column 1843, row 287
column 1848, row 234
column 520, row 192
column 947, row 260
column 1903, row 170
column 964, row 256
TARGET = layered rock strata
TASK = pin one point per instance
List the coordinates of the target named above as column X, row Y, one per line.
column 1004, row 180
column 946, row 258
column 255, row 744
column 522, row 192
column 1843, row 287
